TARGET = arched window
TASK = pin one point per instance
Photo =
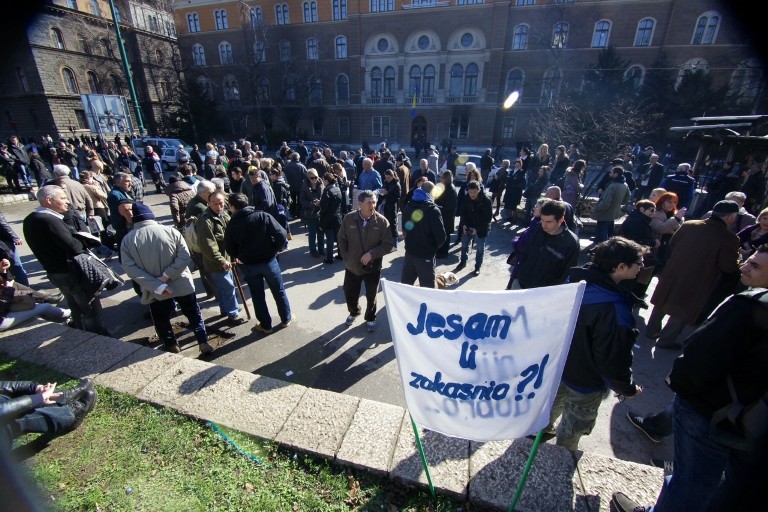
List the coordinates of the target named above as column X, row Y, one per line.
column 514, row 82
column 262, row 90
column 428, row 83
column 117, row 86
column 193, row 22
column 389, row 82
column 260, row 55
column 315, row 92
column 550, row 85
column 310, row 12
column 341, row 47
column 281, row 14
column 747, row 82
column 342, row 88
column 600, row 36
column 634, row 75
column 205, row 88
column 520, row 39
column 231, row 89
column 706, row 28
column 414, row 81
column 22, row 77
column 70, row 83
column 313, row 53
column 382, row 5
column 470, row 80
column 560, row 35
column 285, row 50
column 225, row 53
column 644, row 33
column 339, row 9
column 457, row 81
column 220, row 16
column 257, row 17
column 289, row 89
column 95, row 8
column 376, row 83
column 198, row 55
column 57, row 39
column 93, row 82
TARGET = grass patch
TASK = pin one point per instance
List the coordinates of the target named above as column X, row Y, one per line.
column 132, row 456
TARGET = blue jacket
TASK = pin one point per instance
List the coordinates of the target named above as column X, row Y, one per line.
column 682, row 185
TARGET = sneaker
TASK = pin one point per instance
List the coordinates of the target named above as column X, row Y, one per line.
column 350, row 320
column 82, row 406
column 620, row 502
column 371, row 326
column 262, row 329
column 70, row 395
column 639, row 422
column 667, row 465
column 172, row 348
column 460, row 266
column 289, row 237
column 205, row 348
column 288, row 322
column 477, row 271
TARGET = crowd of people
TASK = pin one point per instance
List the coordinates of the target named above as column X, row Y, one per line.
column 233, row 208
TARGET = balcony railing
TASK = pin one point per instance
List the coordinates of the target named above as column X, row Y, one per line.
column 464, row 100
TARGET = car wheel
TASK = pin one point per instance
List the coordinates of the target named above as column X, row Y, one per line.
column 166, row 166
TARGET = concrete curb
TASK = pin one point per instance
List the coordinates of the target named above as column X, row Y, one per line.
column 356, row 432
column 16, row 198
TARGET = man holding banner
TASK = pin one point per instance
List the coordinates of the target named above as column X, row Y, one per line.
column 600, row 357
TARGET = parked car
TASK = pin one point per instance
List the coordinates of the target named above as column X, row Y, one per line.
column 164, row 147
column 461, row 173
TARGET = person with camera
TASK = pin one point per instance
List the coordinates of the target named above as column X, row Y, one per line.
column 364, row 238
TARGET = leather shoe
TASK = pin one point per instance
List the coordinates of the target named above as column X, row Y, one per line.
column 54, row 298
column 460, row 266
column 82, row 406
column 70, row 395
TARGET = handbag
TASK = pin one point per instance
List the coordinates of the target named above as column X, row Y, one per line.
column 739, row 426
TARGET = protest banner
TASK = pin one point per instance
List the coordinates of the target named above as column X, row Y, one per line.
column 482, row 366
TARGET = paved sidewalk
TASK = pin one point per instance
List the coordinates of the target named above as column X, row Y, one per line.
column 349, row 430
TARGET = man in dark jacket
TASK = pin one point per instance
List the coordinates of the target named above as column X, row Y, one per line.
column 253, row 239
column 20, row 161
column 600, row 356
column 651, row 175
column 295, row 174
column 682, row 184
column 447, row 202
column 424, row 234
column 154, row 166
column 474, row 224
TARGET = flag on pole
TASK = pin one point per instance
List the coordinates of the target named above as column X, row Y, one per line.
column 413, row 103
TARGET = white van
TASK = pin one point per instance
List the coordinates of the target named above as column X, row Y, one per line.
column 164, row 147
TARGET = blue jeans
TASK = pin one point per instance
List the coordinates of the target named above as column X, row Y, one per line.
column 479, row 248
column 17, row 269
column 604, row 230
column 226, row 292
column 315, row 235
column 255, row 274
column 330, row 240
column 699, row 463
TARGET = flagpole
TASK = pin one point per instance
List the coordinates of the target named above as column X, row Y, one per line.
column 528, row 464
column 423, row 456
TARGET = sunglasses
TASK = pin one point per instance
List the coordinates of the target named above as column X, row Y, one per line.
column 313, row 178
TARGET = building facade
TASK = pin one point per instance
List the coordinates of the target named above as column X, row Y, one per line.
column 70, row 48
column 431, row 70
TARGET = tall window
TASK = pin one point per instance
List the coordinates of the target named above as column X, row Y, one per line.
column 550, row 85
column 310, row 12
column 380, row 126
column 313, row 53
column 344, row 126
column 414, row 81
column 634, row 75
column 339, row 9
column 170, row 29
column 644, row 32
column 560, row 35
column 470, row 80
column 525, row 2
column 315, row 92
column 225, row 53
column 389, row 82
column 706, row 28
column 262, row 90
column 22, row 77
column 231, row 89
column 257, row 17
column 198, row 55
column 747, row 82
column 259, row 52
column 459, row 127
column 376, row 77
column 106, row 45
column 221, row 19
column 57, row 39
column 508, row 127
column 289, row 89
column 93, row 82
column 72, row 4
column 469, row 2
column 70, row 83
column 457, row 81
column 514, row 82
column 85, row 44
column 428, row 82
column 95, row 8
column 205, row 88
column 282, row 16
column 520, row 39
column 600, row 37
column 341, row 47
column 342, row 88
column 382, row 5
column 153, row 23
column 285, row 50
column 193, row 22
column 117, row 85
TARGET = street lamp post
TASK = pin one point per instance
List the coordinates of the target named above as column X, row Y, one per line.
column 127, row 68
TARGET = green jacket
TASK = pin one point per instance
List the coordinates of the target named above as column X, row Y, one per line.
column 210, row 235
column 196, row 207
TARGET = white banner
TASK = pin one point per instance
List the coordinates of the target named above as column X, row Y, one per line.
column 483, row 366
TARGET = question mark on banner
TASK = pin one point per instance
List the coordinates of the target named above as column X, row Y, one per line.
column 533, row 372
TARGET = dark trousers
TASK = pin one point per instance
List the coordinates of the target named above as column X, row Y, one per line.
column 421, row 268
column 352, row 285
column 86, row 309
column 210, row 288
column 161, row 317
column 53, row 419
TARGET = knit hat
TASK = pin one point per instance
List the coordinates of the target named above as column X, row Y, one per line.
column 726, row 206
column 141, row 212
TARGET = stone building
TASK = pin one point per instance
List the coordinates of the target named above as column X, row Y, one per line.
column 402, row 70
